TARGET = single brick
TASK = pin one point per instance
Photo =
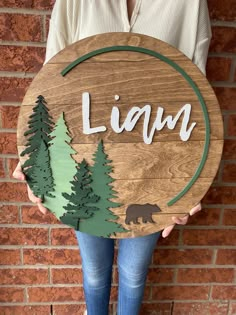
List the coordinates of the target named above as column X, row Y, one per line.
column 52, row 256
column 23, row 276
column 13, row 89
column 77, row 309
column 180, row 292
column 226, row 97
column 205, row 275
column 182, row 256
column 220, row 292
column 210, row 237
column 8, row 143
column 229, row 217
column 232, row 126
column 24, row 236
column 63, row 236
column 155, row 308
column 20, row 27
column 160, row 275
column 229, row 173
column 208, row 308
column 229, row 152
column 67, row 275
column 11, row 295
column 55, row 294
column 220, row 195
column 25, row 310
column 9, row 215
column 28, row 4
column 10, row 257
column 13, row 192
column 223, row 39
column 24, row 59
column 226, row 257
column 224, row 11
column 9, row 116
column 218, row 68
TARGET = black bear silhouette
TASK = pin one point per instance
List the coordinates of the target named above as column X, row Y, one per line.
column 135, row 211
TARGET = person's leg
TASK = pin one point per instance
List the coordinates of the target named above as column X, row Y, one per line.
column 97, row 258
column 134, row 257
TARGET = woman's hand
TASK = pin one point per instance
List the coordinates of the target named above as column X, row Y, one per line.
column 18, row 174
column 181, row 221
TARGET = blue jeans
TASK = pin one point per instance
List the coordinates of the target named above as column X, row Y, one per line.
column 134, row 257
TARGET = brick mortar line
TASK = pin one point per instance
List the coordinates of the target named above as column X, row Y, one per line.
column 222, row 54
column 24, row 75
column 16, row 104
column 223, row 84
column 223, row 23
column 232, row 70
column 25, row 11
column 221, row 218
column 8, row 130
column 214, row 257
column 23, row 44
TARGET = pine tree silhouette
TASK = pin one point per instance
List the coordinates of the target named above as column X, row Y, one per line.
column 100, row 223
column 42, row 174
column 82, row 200
column 40, row 126
column 63, row 166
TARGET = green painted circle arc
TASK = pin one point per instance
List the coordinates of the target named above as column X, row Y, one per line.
column 186, row 77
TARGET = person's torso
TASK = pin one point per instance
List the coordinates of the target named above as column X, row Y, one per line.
column 172, row 21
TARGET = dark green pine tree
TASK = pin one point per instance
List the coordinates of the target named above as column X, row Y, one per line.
column 82, row 200
column 102, row 223
column 42, row 183
column 40, row 126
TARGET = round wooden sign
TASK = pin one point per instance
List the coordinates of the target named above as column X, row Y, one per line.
column 118, row 133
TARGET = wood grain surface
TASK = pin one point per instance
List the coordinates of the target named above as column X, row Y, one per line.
column 143, row 173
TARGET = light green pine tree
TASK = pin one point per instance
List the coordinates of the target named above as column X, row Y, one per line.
column 102, row 223
column 63, row 167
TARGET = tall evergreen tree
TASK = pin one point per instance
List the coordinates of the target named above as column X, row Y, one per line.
column 41, row 174
column 40, row 126
column 63, row 167
column 102, row 223
column 82, row 200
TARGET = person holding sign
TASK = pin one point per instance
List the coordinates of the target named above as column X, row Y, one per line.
column 183, row 24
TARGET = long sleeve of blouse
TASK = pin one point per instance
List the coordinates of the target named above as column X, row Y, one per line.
column 184, row 24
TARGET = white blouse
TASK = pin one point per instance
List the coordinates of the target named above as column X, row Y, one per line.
column 184, row 24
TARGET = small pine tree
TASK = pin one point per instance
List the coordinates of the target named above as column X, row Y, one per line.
column 42, row 174
column 82, row 200
column 102, row 223
column 40, row 126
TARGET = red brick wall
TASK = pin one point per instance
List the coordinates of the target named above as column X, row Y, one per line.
column 192, row 271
